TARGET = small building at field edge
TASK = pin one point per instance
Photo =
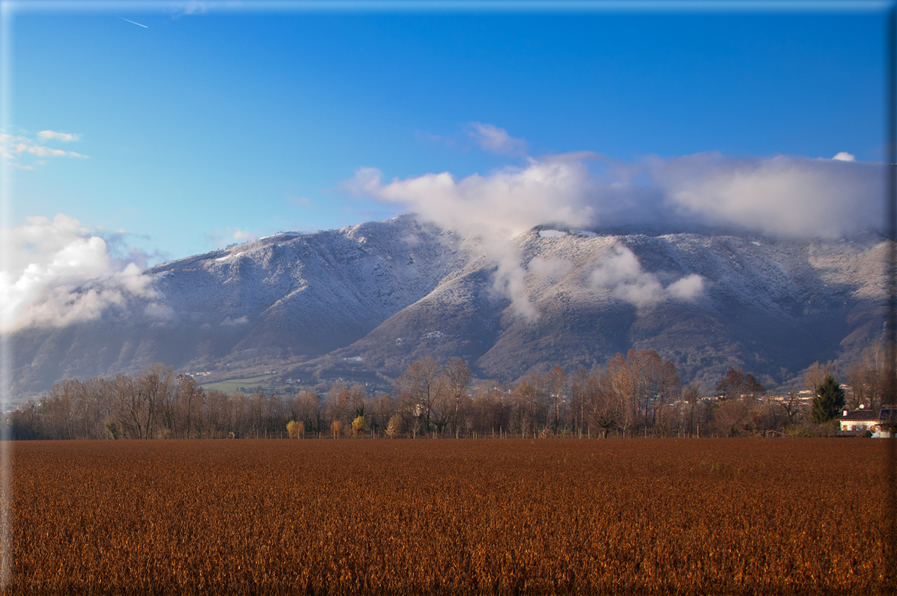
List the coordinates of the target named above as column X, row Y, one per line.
column 867, row 422
column 857, row 423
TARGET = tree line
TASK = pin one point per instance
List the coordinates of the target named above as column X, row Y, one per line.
column 636, row 394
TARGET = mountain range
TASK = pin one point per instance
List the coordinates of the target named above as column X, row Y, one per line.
column 364, row 301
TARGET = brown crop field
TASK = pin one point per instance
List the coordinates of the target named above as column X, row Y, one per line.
column 444, row 516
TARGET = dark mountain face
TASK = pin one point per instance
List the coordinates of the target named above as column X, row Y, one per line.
column 371, row 299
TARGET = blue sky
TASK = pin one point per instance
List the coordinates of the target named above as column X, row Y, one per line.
column 199, row 130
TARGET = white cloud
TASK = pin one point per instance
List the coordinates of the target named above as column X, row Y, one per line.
column 844, row 156
column 779, row 196
column 44, row 151
column 228, row 235
column 20, row 150
column 506, row 202
column 158, row 311
column 234, row 322
column 487, row 137
column 59, row 272
column 690, row 287
column 497, row 140
column 430, row 138
column 622, row 274
column 785, row 196
column 192, row 7
column 496, row 207
column 509, row 280
column 551, row 269
column 59, row 136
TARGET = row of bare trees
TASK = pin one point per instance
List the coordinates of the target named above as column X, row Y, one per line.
column 156, row 403
column 430, row 399
column 630, row 394
column 636, row 394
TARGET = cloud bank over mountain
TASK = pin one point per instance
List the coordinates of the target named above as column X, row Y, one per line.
column 622, row 274
column 786, row 197
column 57, row 272
column 781, row 196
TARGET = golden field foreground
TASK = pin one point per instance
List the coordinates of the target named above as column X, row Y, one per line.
column 449, row 516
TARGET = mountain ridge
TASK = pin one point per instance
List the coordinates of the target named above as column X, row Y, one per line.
column 371, row 298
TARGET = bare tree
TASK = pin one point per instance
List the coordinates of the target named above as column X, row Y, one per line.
column 488, row 410
column 417, row 389
column 791, row 407
column 558, row 385
column 578, row 385
column 131, row 409
column 216, row 414
column 691, row 396
column 358, row 397
column 336, row 402
column 868, row 378
column 92, row 409
column 643, row 382
column 660, row 382
column 736, row 384
column 603, row 403
column 817, row 373
column 732, row 417
column 530, row 396
column 624, row 385
column 382, row 407
column 457, row 376
column 59, row 408
column 307, row 407
column 345, row 403
column 154, row 387
column 239, row 413
column 190, row 398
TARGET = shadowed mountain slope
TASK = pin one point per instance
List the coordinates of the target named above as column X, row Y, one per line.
column 370, row 299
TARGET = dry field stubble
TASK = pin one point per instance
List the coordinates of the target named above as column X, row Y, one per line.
column 443, row 516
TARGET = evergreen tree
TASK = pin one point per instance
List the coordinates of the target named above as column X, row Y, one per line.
column 828, row 401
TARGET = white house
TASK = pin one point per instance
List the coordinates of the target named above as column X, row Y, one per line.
column 859, row 421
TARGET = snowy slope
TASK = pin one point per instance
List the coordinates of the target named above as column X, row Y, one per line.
column 773, row 307
column 374, row 297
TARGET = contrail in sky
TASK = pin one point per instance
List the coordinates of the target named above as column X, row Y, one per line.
column 134, row 22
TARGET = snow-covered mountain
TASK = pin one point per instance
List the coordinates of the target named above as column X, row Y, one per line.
column 372, row 298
